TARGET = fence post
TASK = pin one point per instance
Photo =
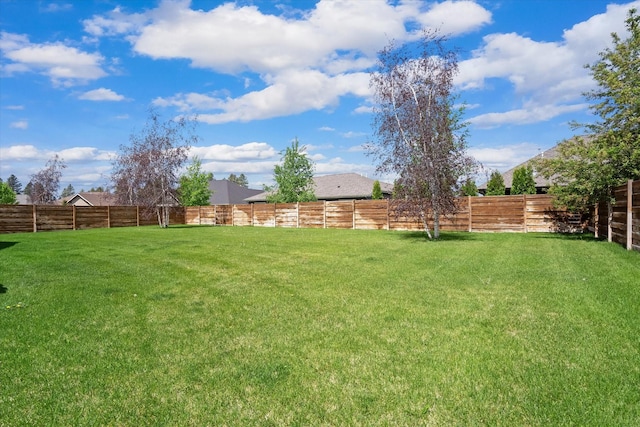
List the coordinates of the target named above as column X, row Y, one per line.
column 353, row 214
column 324, row 214
column 73, row 217
column 108, row 216
column 609, row 219
column 137, row 216
column 297, row 214
column 388, row 219
column 34, row 216
column 524, row 213
column 596, row 221
column 629, row 215
column 470, row 219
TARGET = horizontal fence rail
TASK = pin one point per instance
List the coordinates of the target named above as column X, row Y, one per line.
column 522, row 213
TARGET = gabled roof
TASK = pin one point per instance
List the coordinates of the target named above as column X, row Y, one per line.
column 91, row 198
column 344, row 186
column 226, row 192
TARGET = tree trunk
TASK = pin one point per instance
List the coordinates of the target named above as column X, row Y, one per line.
column 436, row 224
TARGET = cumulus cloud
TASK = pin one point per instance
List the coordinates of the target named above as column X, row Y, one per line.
column 229, row 153
column 20, row 152
column 64, row 65
column 550, row 76
column 101, row 94
column 307, row 61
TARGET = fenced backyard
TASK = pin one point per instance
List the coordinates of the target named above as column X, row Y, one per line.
column 520, row 214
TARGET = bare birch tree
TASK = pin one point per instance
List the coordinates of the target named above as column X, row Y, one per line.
column 45, row 183
column 145, row 173
column 420, row 135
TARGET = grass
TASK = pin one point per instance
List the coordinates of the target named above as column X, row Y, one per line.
column 197, row 326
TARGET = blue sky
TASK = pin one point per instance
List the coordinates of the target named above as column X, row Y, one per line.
column 77, row 77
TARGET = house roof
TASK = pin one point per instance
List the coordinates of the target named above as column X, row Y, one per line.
column 91, row 198
column 226, row 192
column 541, row 181
column 337, row 187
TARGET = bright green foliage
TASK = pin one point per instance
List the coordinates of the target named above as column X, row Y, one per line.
column 294, row 177
column 376, row 193
column 495, row 186
column 469, row 188
column 239, row 179
column 523, row 182
column 194, row 186
column 7, row 196
column 609, row 154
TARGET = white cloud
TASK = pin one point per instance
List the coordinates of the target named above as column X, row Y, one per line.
column 20, row 152
column 549, row 76
column 326, row 129
column 101, row 94
column 64, row 65
column 229, row 153
column 21, row 124
column 352, row 134
column 56, row 7
column 505, row 157
column 455, row 17
column 15, row 107
column 527, row 115
column 308, row 60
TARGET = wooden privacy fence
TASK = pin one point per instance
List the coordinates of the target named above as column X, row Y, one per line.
column 33, row 218
column 497, row 213
column 620, row 221
column 523, row 213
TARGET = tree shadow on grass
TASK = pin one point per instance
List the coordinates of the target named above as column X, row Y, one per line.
column 5, row 245
column 3, row 289
column 444, row 237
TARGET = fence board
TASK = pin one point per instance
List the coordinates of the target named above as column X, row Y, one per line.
column 242, row 215
column 371, row 214
column 264, row 215
column 339, row 214
column 311, row 215
column 91, row 217
column 286, row 215
column 16, row 218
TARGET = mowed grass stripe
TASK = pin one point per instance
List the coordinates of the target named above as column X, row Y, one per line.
column 260, row 326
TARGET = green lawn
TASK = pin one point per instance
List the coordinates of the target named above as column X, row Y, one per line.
column 195, row 326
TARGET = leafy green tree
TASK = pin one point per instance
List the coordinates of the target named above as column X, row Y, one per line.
column 7, row 196
column 14, row 183
column 376, row 192
column 495, row 186
column 523, row 181
column 68, row 191
column 194, row 185
column 608, row 154
column 240, row 179
column 294, row 177
column 469, row 188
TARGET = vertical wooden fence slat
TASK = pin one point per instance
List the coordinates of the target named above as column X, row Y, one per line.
column 629, row 215
column 470, row 214
column 35, row 219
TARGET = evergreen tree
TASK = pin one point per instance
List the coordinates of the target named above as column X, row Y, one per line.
column 523, row 181
column 68, row 191
column 469, row 188
column 240, row 180
column 14, row 183
column 495, row 186
column 376, row 193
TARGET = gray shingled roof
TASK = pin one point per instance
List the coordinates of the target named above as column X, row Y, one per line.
column 92, row 198
column 338, row 187
column 226, row 192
